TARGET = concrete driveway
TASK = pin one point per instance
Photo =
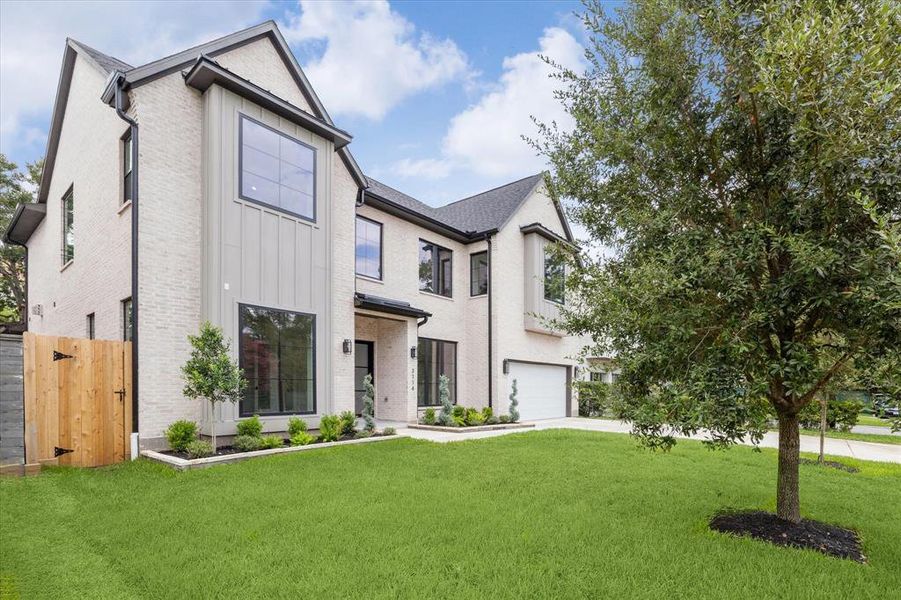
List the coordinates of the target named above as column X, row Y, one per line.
column 854, row 449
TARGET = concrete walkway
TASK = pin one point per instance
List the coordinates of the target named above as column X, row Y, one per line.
column 851, row 448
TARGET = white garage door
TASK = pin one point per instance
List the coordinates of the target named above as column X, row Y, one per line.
column 541, row 390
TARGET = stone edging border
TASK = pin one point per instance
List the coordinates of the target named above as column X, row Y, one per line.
column 498, row 427
column 183, row 464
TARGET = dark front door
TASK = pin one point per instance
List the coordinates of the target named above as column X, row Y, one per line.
column 364, row 364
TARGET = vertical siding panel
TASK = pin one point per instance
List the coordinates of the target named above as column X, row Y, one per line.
column 303, row 272
column 250, row 258
column 269, row 257
column 286, row 261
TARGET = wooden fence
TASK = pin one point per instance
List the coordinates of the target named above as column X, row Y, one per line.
column 77, row 400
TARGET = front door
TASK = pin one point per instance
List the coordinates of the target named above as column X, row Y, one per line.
column 364, row 364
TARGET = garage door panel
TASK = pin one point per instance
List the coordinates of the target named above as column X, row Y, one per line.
column 541, row 390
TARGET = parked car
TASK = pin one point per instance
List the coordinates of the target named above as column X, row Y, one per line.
column 884, row 407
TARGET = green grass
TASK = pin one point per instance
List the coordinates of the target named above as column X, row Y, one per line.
column 556, row 514
column 874, row 438
column 863, row 419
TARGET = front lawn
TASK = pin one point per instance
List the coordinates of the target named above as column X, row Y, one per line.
column 541, row 514
column 873, row 438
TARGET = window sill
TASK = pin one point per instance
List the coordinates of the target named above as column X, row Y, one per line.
column 434, row 295
column 370, row 279
column 125, row 206
column 67, row 265
column 478, row 296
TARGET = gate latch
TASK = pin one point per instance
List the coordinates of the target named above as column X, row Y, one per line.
column 59, row 355
column 121, row 394
column 57, row 451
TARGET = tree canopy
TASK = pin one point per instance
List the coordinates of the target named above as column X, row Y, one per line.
column 15, row 188
column 740, row 162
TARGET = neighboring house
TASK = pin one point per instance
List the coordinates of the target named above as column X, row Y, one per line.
column 213, row 185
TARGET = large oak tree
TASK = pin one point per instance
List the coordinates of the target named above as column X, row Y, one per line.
column 740, row 162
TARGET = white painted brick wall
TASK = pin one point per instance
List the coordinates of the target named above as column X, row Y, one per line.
column 99, row 278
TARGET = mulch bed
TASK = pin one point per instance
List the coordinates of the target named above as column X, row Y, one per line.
column 831, row 463
column 828, row 539
column 227, row 450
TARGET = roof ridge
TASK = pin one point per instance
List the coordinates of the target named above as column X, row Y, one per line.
column 93, row 50
column 498, row 187
column 208, row 42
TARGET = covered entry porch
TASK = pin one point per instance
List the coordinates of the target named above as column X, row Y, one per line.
column 385, row 340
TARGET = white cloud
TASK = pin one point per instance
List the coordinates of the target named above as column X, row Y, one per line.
column 373, row 57
column 486, row 138
column 32, row 38
column 426, row 168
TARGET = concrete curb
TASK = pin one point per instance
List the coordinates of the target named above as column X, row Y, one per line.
column 210, row 461
column 474, row 429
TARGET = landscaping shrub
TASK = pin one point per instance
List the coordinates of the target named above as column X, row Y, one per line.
column 487, row 413
column 504, row 419
column 514, row 403
column 252, row 426
column 296, row 425
column 199, row 449
column 302, row 438
column 459, row 411
column 492, row 420
column 474, row 417
column 180, row 434
column 329, row 428
column 389, row 431
column 348, row 422
column 429, row 416
column 271, row 441
column 365, row 433
column 458, row 421
column 593, row 398
column 368, row 403
column 840, row 414
column 445, row 417
column 247, row 443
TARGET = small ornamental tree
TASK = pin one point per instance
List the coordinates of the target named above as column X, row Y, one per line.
column 514, row 403
column 446, row 416
column 368, row 403
column 210, row 374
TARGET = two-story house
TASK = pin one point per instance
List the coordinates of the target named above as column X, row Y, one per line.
column 213, row 185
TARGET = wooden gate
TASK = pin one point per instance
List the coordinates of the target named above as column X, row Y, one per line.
column 77, row 400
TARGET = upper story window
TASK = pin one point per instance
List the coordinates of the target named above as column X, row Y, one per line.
column 435, row 269
column 126, row 167
column 369, row 248
column 68, row 229
column 277, row 170
column 478, row 273
column 554, row 275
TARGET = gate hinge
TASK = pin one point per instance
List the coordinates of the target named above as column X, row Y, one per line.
column 59, row 355
column 57, row 451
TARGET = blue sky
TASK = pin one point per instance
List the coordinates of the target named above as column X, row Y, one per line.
column 436, row 94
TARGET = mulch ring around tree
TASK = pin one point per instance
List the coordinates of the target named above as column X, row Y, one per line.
column 831, row 463
column 828, row 539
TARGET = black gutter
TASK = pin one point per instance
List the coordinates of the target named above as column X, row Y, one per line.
column 490, row 343
column 119, row 83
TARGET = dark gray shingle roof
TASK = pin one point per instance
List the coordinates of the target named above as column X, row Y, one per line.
column 106, row 62
column 482, row 212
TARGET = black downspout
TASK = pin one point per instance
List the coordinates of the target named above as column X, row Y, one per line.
column 490, row 349
column 134, row 251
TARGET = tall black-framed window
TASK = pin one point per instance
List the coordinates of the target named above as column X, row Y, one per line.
column 554, row 276
column 127, row 323
column 89, row 326
column 435, row 358
column 369, row 248
column 126, row 167
column 277, row 350
column 478, row 273
column 68, row 227
column 277, row 170
column 436, row 267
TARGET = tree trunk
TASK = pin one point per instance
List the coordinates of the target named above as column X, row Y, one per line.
column 788, row 503
column 822, row 428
